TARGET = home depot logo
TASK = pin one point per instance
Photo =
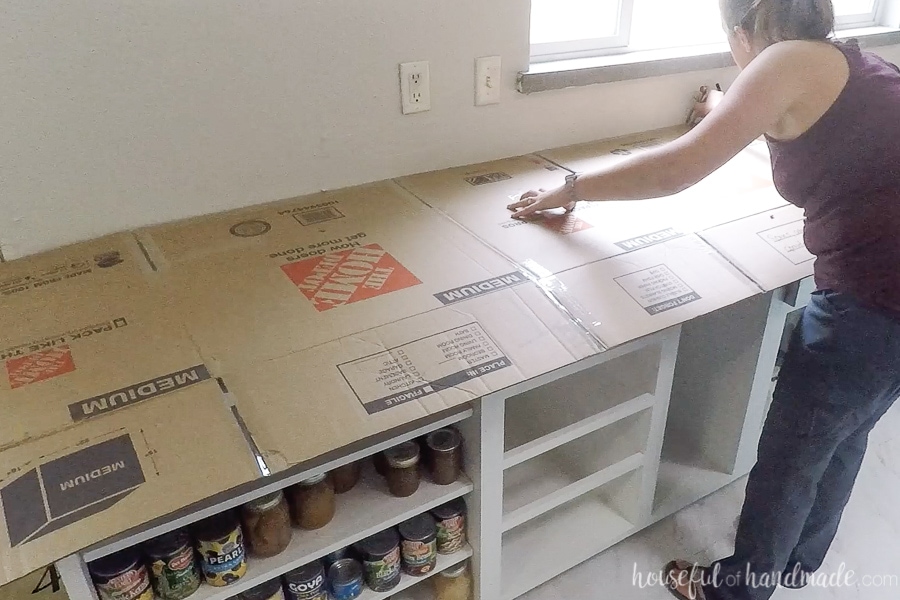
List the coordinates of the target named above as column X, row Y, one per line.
column 349, row 276
column 39, row 366
column 565, row 224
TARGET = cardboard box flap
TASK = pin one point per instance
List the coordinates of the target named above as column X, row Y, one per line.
column 309, row 403
column 63, row 492
column 768, row 247
column 648, row 290
column 65, row 272
column 379, row 263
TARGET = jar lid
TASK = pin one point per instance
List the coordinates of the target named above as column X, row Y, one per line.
column 403, row 456
column 265, row 503
column 216, row 527
column 454, row 572
column 264, row 591
column 447, row 439
column 313, row 480
column 452, row 509
column 167, row 544
column 306, row 573
column 380, row 544
column 345, row 571
column 115, row 564
column 418, row 529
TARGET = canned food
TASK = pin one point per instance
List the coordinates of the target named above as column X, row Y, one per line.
column 121, row 576
column 451, row 526
column 173, row 571
column 220, row 543
column 336, row 556
column 346, row 579
column 419, row 546
column 381, row 560
column 270, row 590
column 307, row 583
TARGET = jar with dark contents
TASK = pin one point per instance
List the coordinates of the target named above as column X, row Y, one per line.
column 345, row 579
column 270, row 590
column 220, row 544
column 267, row 525
column 418, row 550
column 121, row 576
column 445, row 455
column 312, row 502
column 403, row 469
column 173, row 570
column 307, row 583
column 381, row 560
column 453, row 584
column 380, row 462
column 451, row 526
column 345, row 478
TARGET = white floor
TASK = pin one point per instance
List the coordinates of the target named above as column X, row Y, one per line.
column 867, row 543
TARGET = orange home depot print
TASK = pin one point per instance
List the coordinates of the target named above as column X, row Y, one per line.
column 39, row 366
column 349, row 276
column 565, row 224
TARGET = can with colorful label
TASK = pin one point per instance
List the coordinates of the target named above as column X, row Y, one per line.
column 381, row 560
column 346, row 579
column 220, row 543
column 307, row 583
column 173, row 571
column 451, row 526
column 419, row 546
column 121, row 576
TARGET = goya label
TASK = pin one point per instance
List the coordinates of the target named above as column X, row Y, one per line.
column 419, row 557
column 382, row 574
column 314, row 589
column 224, row 560
column 130, row 585
column 176, row 579
column 451, row 535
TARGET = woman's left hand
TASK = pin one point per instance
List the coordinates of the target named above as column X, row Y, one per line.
column 536, row 201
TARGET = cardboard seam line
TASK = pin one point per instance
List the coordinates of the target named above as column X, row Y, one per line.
column 736, row 266
column 553, row 289
column 252, row 446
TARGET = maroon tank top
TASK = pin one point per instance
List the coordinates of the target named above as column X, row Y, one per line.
column 845, row 173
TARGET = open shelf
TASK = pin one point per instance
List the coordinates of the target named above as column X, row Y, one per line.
column 679, row 486
column 543, row 418
column 407, row 585
column 564, row 473
column 364, row 511
column 545, row 547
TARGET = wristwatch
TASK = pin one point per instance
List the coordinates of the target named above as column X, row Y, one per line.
column 570, row 188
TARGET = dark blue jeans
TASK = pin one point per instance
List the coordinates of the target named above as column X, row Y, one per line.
column 840, row 375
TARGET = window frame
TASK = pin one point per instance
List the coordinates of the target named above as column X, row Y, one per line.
column 619, row 43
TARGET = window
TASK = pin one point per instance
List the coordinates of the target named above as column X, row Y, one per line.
column 563, row 29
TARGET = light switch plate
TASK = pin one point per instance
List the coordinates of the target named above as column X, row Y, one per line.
column 487, row 80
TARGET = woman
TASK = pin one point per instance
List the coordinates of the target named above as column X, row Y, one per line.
column 831, row 115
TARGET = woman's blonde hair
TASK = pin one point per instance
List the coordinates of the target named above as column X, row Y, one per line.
column 780, row 20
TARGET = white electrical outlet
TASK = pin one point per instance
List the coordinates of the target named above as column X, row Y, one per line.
column 487, row 80
column 415, row 87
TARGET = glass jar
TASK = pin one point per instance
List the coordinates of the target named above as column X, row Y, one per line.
column 451, row 526
column 173, row 570
column 380, row 462
column 445, row 455
column 121, row 576
column 220, row 544
column 345, row 478
column 267, row 525
column 270, row 590
column 453, row 584
column 381, row 560
column 313, row 502
column 418, row 550
column 403, row 469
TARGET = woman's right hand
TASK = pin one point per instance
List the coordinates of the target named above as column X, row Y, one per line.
column 536, row 201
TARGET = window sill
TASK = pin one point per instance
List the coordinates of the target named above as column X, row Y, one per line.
column 654, row 63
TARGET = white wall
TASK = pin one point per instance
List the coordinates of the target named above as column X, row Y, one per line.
column 121, row 114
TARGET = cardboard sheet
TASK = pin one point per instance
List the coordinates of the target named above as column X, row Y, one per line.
column 109, row 411
column 293, row 319
column 648, row 290
column 768, row 247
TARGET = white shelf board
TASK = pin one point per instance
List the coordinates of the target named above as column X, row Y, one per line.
column 553, row 440
column 545, row 476
column 366, row 510
column 407, row 583
column 679, row 486
column 543, row 549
